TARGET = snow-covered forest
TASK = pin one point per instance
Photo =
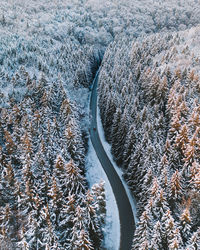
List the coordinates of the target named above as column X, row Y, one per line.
column 149, row 100
column 149, row 93
column 45, row 203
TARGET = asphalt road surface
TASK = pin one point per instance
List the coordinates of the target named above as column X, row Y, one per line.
column 127, row 223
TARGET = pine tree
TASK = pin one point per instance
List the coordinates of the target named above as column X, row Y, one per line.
column 176, row 186
column 130, row 144
column 75, row 144
column 32, row 232
column 120, row 135
column 185, row 224
column 49, row 237
column 115, row 127
column 160, row 205
column 92, row 217
column 57, row 96
column 142, row 233
column 109, row 115
column 145, row 188
column 83, row 241
column 194, row 241
column 182, row 138
column 156, row 242
column 195, row 176
column 55, row 193
column 26, row 143
column 75, row 181
column 5, row 242
column 171, row 234
column 175, row 124
column 175, row 245
column 98, row 190
column 79, row 223
column 7, row 229
column 65, row 111
column 22, row 243
column 164, row 173
column 65, row 220
column 10, row 145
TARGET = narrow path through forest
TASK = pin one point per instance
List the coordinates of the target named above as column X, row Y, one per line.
column 127, row 223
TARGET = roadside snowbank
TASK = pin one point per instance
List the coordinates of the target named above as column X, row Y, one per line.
column 95, row 174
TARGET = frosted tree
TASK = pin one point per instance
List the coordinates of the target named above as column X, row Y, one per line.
column 120, row 136
column 92, row 217
column 4, row 238
column 171, row 234
column 176, row 186
column 98, row 190
column 194, row 242
column 55, row 193
column 10, row 145
column 57, row 96
column 79, row 223
column 83, row 241
column 185, row 224
column 74, row 143
column 142, row 233
column 182, row 138
column 32, row 232
column 75, row 181
column 116, row 121
column 160, row 205
column 65, row 111
column 130, row 144
column 195, row 176
column 65, row 221
column 156, row 242
column 8, row 186
column 109, row 115
column 22, row 243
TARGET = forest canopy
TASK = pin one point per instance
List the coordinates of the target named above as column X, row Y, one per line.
column 149, row 93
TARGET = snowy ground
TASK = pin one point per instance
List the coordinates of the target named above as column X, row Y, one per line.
column 95, row 174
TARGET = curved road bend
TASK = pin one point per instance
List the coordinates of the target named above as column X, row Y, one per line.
column 127, row 223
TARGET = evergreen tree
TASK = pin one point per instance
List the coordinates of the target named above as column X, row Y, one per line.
column 176, row 186
column 171, row 234
column 194, row 241
column 156, row 242
column 142, row 233
column 129, row 146
column 185, row 224
column 98, row 190
column 83, row 241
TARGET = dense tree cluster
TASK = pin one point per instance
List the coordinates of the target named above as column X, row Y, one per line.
column 96, row 22
column 150, row 112
column 45, row 57
column 44, row 199
column 149, row 108
column 65, row 40
column 68, row 61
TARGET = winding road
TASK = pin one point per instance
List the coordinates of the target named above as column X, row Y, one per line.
column 127, row 223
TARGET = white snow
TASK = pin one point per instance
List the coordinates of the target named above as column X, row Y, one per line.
column 95, row 174
column 187, row 53
column 107, row 148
